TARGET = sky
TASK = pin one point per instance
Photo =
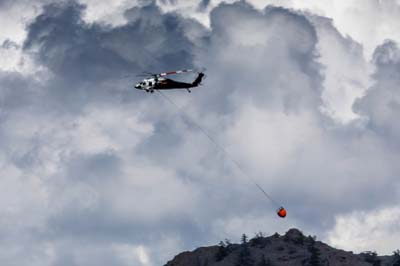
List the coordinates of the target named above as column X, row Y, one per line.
column 302, row 94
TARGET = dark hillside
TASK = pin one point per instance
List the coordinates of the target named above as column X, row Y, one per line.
column 291, row 249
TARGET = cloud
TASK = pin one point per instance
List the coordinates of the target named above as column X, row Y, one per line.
column 346, row 72
column 77, row 160
column 376, row 230
column 382, row 101
column 131, row 254
column 97, row 173
column 369, row 23
column 269, row 60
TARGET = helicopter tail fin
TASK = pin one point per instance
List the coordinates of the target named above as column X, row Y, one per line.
column 197, row 81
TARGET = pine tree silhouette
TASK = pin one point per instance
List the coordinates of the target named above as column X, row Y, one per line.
column 244, row 257
column 244, row 239
column 314, row 259
column 222, row 252
column 396, row 259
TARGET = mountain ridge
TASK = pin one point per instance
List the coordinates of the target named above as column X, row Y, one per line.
column 290, row 249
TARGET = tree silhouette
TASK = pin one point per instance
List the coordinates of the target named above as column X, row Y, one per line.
column 244, row 258
column 396, row 258
column 244, row 239
column 314, row 259
column 372, row 258
column 222, row 252
column 258, row 240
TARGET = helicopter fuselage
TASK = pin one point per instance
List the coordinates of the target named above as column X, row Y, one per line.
column 160, row 83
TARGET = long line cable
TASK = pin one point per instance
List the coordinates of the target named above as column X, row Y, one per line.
column 220, row 147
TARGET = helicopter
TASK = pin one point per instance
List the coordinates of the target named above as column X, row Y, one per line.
column 159, row 82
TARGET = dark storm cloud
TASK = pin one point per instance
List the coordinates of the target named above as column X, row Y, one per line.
column 3, row 3
column 61, row 41
column 89, row 60
column 16, row 92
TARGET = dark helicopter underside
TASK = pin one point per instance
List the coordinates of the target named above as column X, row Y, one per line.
column 169, row 84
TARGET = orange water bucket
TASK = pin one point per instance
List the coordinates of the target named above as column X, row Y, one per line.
column 281, row 212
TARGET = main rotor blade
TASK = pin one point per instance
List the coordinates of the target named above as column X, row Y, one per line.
column 148, row 74
column 175, row 72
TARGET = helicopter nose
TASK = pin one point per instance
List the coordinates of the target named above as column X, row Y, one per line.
column 137, row 86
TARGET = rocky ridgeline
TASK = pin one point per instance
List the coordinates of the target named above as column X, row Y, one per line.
column 291, row 249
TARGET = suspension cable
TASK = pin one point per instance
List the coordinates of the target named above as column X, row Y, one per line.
column 220, row 147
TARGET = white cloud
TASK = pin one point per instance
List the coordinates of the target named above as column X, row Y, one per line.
column 368, row 22
column 188, row 8
column 269, row 138
column 108, row 12
column 132, row 255
column 376, row 230
column 14, row 17
column 346, row 72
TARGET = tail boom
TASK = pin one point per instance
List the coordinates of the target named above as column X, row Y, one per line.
column 198, row 80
